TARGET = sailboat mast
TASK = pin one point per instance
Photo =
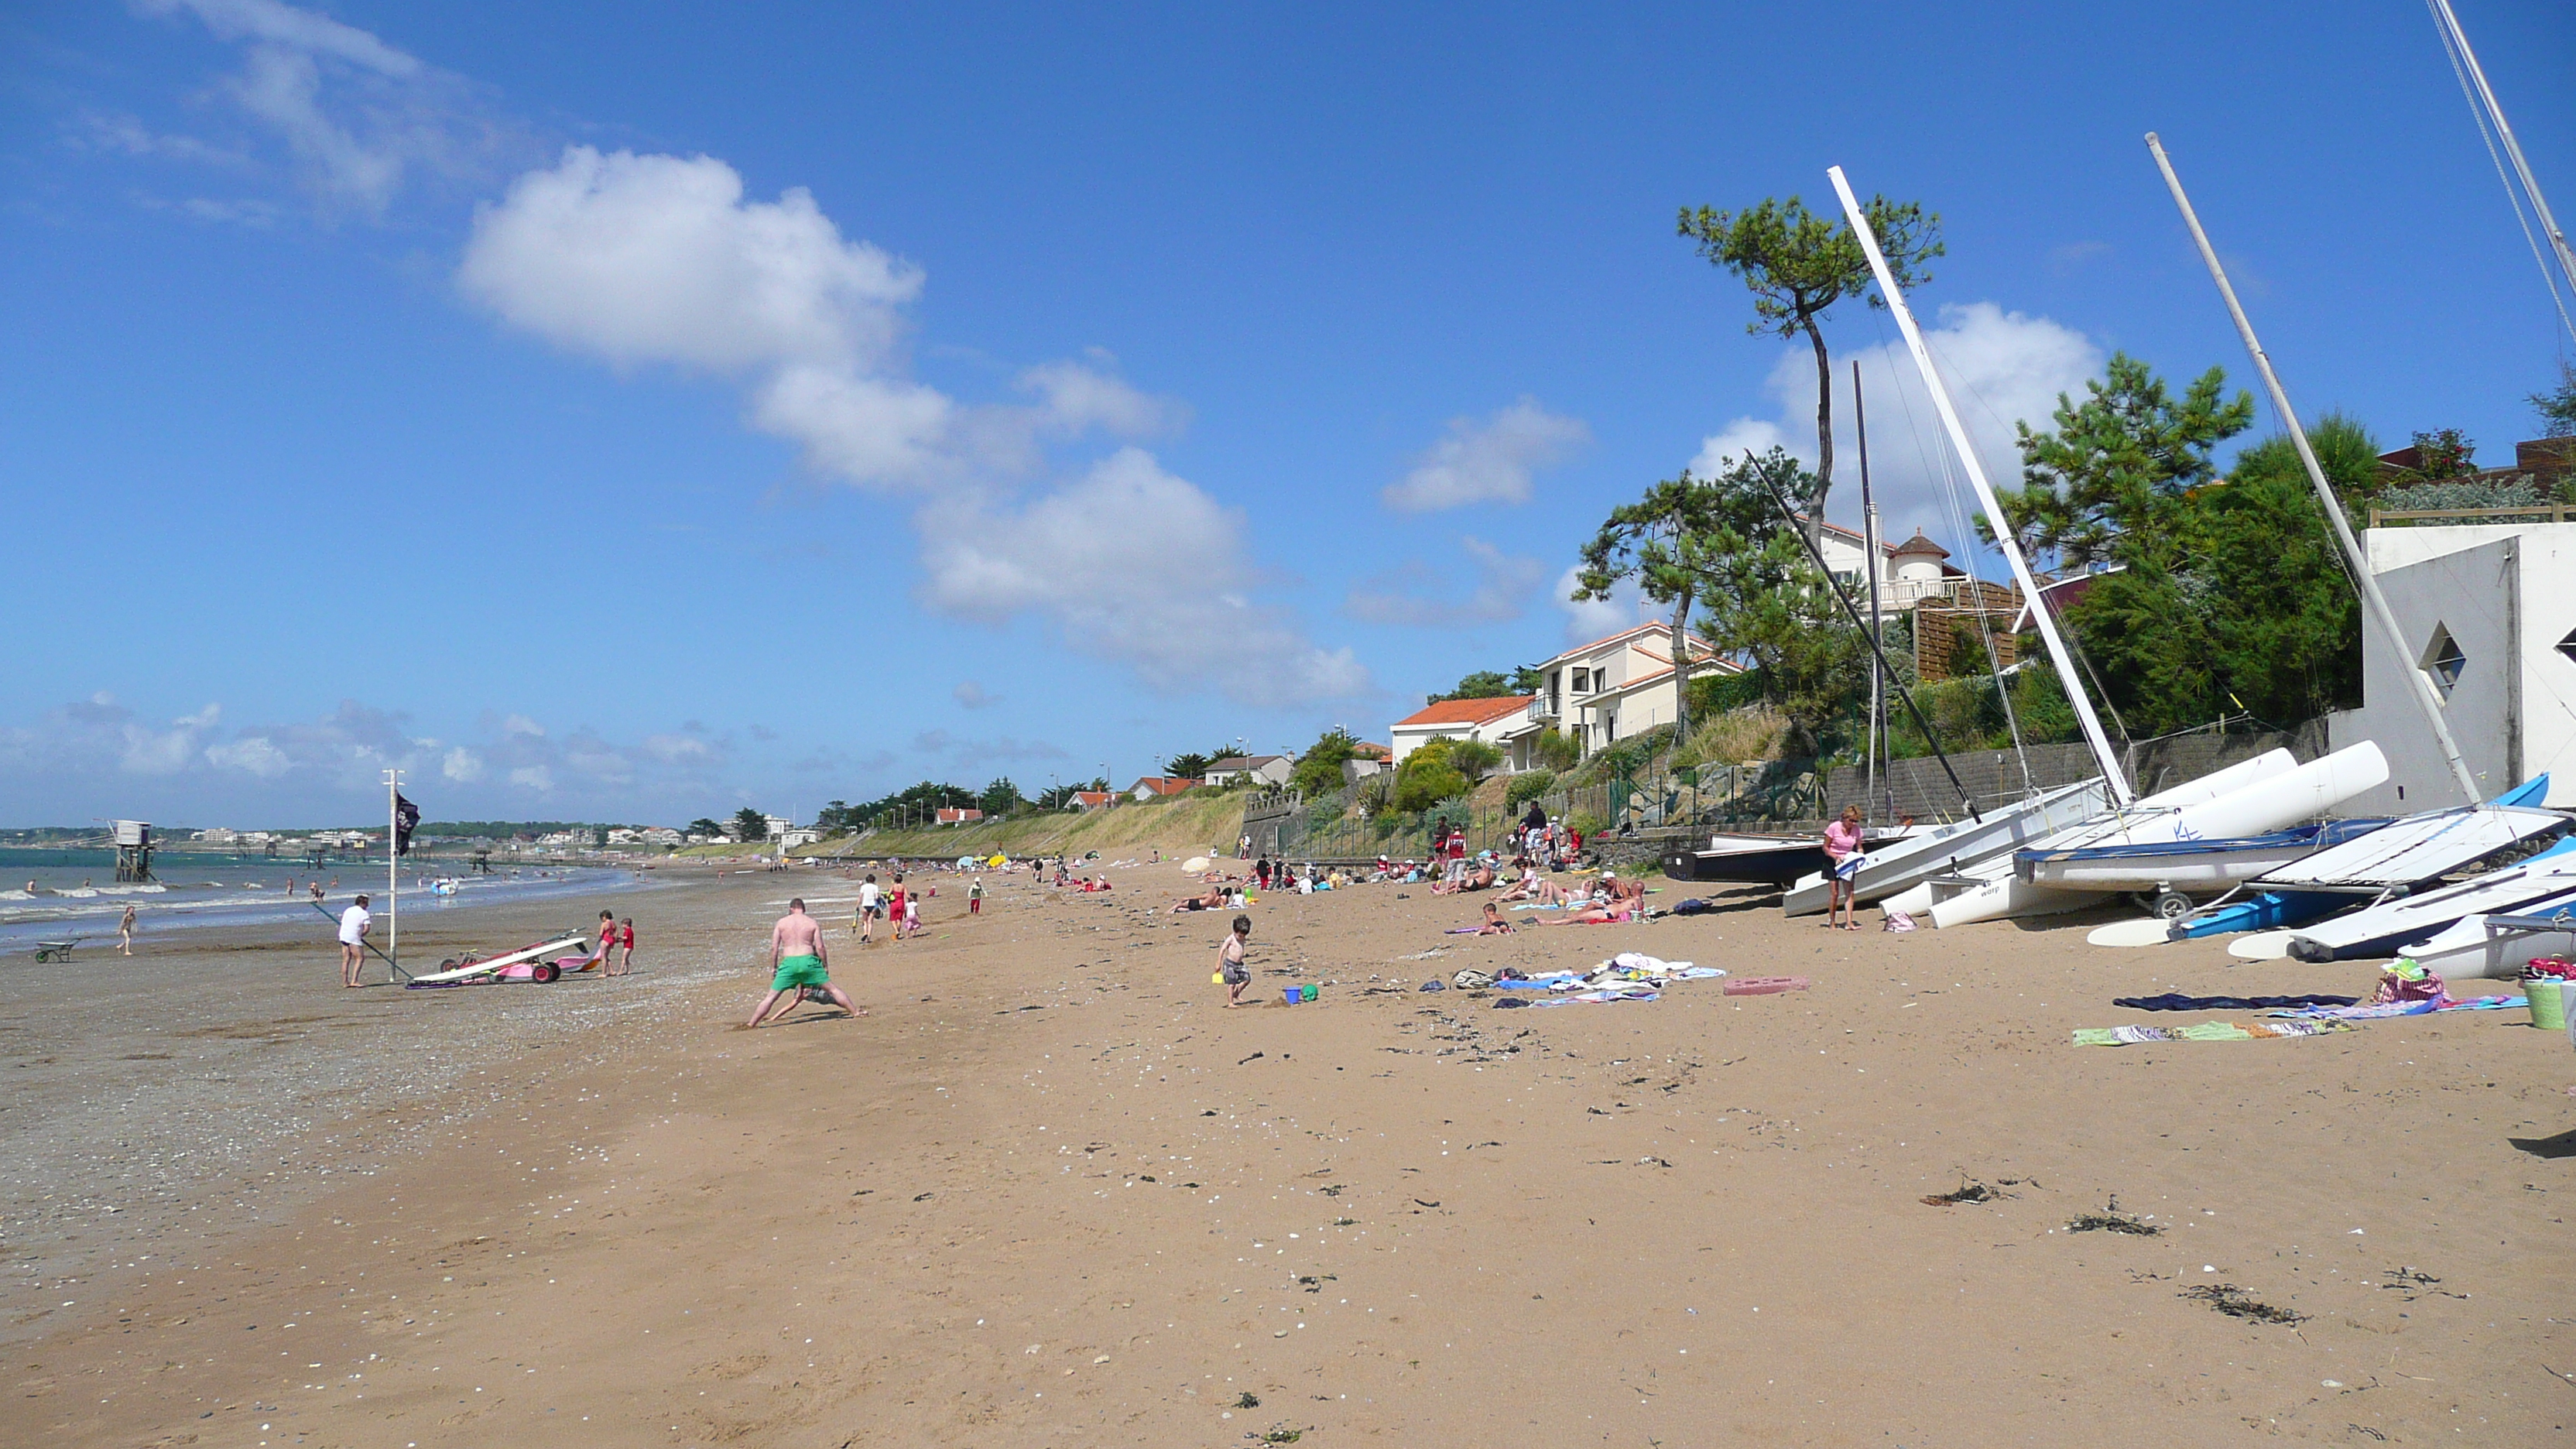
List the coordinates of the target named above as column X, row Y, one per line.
column 2375, row 603
column 2459, row 42
column 2113, row 777
column 1876, row 728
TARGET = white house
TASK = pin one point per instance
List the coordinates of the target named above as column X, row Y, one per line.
column 217, row 836
column 1263, row 769
column 2489, row 614
column 1605, row 691
column 1908, row 572
column 660, row 835
column 1488, row 720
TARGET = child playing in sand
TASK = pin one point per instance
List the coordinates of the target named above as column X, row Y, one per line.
column 975, row 897
column 625, row 948
column 912, row 915
column 1229, row 961
column 1494, row 924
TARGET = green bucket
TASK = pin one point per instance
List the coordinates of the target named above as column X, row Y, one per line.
column 2548, row 1003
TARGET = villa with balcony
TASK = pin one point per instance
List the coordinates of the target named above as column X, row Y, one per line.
column 1600, row 693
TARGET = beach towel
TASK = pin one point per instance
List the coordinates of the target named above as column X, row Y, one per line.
column 2381, row 1010
column 2204, row 1031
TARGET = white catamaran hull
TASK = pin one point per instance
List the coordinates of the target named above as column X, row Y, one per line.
column 1948, row 848
column 2377, row 931
column 2269, row 792
column 2471, row 949
column 1933, row 887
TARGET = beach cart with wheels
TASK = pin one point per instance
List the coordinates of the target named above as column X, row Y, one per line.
column 55, row 950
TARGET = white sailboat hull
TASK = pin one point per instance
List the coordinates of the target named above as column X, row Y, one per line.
column 1934, row 887
column 2470, row 950
column 2377, row 931
column 2269, row 798
column 1952, row 847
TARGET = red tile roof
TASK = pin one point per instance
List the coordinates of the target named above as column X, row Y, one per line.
column 1467, row 711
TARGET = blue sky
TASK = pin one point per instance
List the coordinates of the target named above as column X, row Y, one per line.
column 635, row 412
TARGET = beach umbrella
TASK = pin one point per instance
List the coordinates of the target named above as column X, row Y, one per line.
column 1195, row 864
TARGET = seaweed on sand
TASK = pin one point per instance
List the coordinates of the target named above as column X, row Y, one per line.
column 2111, row 1220
column 2235, row 1302
column 1969, row 1190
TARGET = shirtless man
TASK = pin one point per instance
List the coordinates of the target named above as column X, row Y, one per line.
column 799, row 958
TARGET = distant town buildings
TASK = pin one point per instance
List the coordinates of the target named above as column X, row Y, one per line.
column 1260, row 769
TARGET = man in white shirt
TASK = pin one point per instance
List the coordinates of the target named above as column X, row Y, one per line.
column 871, row 906
column 355, row 922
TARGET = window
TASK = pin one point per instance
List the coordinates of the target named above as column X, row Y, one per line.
column 2443, row 660
column 1583, row 681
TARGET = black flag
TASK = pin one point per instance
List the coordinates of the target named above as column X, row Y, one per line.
column 406, row 819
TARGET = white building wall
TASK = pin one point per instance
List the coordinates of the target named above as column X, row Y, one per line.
column 2507, row 594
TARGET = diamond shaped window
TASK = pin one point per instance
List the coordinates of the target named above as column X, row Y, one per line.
column 2443, row 660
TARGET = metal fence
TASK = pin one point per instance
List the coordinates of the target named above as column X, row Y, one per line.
column 1330, row 828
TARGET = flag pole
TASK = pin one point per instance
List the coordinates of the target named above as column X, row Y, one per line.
column 393, row 869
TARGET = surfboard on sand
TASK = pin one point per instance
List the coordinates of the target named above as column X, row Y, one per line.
column 2145, row 932
column 480, row 968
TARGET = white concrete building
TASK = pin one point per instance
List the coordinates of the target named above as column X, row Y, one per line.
column 1605, row 691
column 1263, row 769
column 1488, row 720
column 2489, row 613
column 1908, row 572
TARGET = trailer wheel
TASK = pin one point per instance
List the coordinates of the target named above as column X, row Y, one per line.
column 546, row 972
column 2171, row 906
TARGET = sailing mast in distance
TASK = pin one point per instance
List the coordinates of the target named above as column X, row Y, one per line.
column 2113, row 777
column 2375, row 603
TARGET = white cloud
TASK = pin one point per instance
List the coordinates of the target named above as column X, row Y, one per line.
column 519, row 724
column 640, row 259
column 1080, row 397
column 462, row 766
column 2001, row 367
column 677, row 749
column 253, row 754
column 1125, row 560
column 534, row 777
column 357, row 116
column 1489, row 461
column 660, row 259
column 272, row 22
column 1746, row 435
column 1587, row 620
column 1414, row 593
column 972, row 695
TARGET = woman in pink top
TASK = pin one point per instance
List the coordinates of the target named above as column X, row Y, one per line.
column 1842, row 863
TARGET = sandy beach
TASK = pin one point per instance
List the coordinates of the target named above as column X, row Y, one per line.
column 1048, row 1191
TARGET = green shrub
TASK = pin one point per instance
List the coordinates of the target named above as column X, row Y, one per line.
column 1422, row 784
column 1473, row 758
column 1528, row 786
column 1556, row 750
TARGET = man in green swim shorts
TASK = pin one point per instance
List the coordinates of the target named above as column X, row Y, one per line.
column 800, row 959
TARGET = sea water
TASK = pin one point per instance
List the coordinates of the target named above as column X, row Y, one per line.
column 73, row 894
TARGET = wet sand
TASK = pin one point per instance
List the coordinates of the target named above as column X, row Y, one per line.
column 1049, row 1192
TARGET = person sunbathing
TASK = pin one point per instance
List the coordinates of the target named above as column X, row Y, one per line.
column 1477, row 879
column 1494, row 924
column 1214, row 900
column 1601, row 913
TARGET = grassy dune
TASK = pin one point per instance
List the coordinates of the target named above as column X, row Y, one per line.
column 1190, row 825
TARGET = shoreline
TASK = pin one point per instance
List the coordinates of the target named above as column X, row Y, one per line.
column 1050, row 1190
